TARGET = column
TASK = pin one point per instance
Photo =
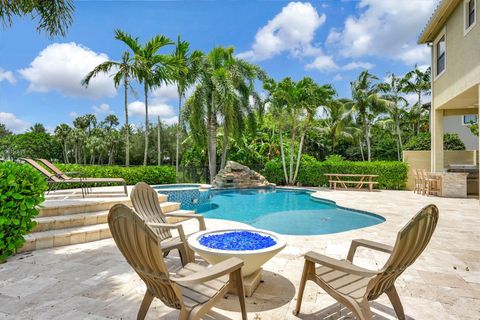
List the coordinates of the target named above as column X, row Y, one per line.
column 436, row 155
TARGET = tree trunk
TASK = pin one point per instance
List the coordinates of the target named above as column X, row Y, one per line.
column 212, row 141
column 292, row 151
column 299, row 156
column 159, row 145
column 145, row 154
column 284, row 165
column 361, row 149
column 179, row 130
column 65, row 152
column 127, row 127
column 399, row 141
column 369, row 148
column 225, row 148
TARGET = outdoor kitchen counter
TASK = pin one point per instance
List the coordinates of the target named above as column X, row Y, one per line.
column 452, row 184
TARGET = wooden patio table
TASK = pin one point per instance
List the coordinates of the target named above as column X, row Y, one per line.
column 365, row 181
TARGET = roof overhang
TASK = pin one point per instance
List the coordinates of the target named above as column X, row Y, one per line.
column 437, row 21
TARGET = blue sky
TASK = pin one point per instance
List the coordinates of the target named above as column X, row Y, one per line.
column 330, row 41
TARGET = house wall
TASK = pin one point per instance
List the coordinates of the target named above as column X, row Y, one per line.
column 462, row 58
column 455, row 124
column 421, row 160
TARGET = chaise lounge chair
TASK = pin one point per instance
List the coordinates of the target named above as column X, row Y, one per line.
column 193, row 290
column 354, row 286
column 59, row 177
column 146, row 205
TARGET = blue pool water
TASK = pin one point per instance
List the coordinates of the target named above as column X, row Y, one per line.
column 290, row 212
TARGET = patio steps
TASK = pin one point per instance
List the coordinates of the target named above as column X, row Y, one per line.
column 61, row 223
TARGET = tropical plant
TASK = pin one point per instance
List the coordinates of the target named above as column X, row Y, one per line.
column 55, row 16
column 392, row 90
column 37, row 128
column 184, row 78
column 419, row 83
column 224, row 91
column 151, row 69
column 62, row 132
column 124, row 72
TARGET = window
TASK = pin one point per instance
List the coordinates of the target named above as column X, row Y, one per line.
column 470, row 13
column 469, row 119
column 440, row 48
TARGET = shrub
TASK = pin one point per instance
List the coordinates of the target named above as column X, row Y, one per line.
column 391, row 174
column 21, row 191
column 451, row 141
column 132, row 175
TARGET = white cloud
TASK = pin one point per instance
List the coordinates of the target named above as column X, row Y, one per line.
column 322, row 63
column 7, row 76
column 165, row 93
column 292, row 30
column 13, row 123
column 61, row 67
column 165, row 111
column 357, row 65
column 103, row 108
column 338, row 77
column 73, row 114
column 385, row 28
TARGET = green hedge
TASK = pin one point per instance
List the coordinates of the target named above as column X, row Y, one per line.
column 391, row 174
column 21, row 191
column 132, row 175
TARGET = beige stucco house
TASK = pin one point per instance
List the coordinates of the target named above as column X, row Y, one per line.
column 453, row 34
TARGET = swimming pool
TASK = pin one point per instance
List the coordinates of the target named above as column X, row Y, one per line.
column 289, row 212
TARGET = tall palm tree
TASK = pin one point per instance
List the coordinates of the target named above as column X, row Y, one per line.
column 151, row 69
column 62, row 132
column 124, row 73
column 184, row 78
column 418, row 82
column 392, row 90
column 221, row 94
column 365, row 98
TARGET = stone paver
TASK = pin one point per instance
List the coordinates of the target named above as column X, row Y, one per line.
column 93, row 281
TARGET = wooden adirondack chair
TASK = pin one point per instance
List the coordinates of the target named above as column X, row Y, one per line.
column 193, row 290
column 354, row 286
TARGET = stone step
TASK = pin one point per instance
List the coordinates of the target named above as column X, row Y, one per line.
column 74, row 235
column 67, row 207
column 70, row 220
column 63, row 237
column 46, row 223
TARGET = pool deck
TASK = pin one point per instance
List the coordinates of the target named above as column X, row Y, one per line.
column 93, row 281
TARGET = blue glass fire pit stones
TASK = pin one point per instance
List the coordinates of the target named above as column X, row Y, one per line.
column 237, row 241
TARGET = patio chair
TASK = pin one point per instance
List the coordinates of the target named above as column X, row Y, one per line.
column 53, row 180
column 354, row 286
column 145, row 203
column 193, row 290
column 429, row 186
column 85, row 181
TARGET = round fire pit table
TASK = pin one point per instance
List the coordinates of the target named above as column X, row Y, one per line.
column 255, row 247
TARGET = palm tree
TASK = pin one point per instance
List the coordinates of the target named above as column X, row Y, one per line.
column 223, row 92
column 365, row 98
column 418, row 82
column 337, row 122
column 125, row 70
column 56, row 16
column 185, row 78
column 62, row 132
column 151, row 69
column 392, row 91
column 38, row 128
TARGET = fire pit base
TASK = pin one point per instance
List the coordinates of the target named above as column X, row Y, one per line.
column 250, row 283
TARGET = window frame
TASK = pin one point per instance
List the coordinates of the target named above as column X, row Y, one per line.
column 442, row 34
column 466, row 28
column 467, row 124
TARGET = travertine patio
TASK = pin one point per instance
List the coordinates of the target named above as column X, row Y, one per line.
column 93, row 281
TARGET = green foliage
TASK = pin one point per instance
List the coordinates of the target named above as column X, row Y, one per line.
column 391, row 174
column 422, row 141
column 132, row 175
column 474, row 128
column 31, row 145
column 21, row 191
